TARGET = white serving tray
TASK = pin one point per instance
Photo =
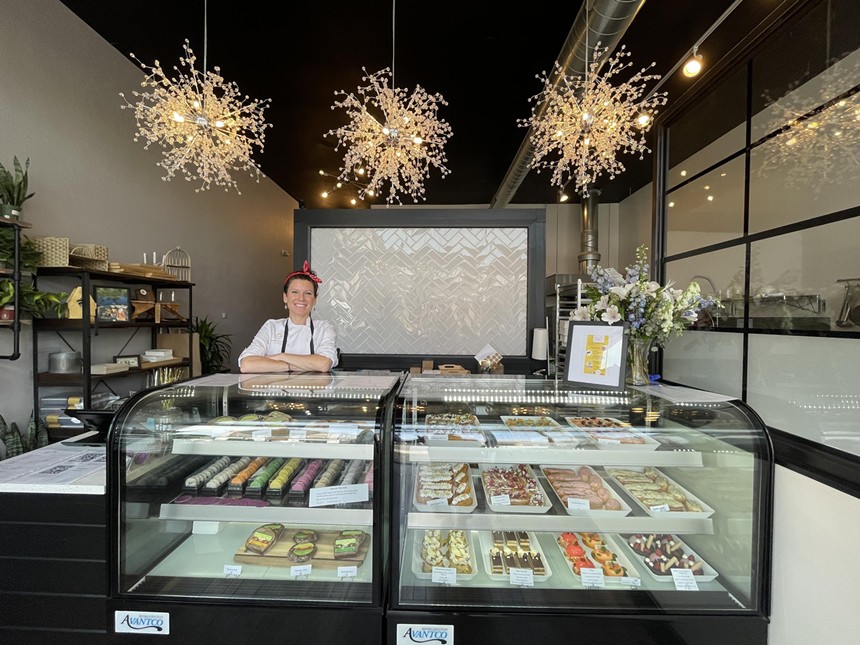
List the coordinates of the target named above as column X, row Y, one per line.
column 707, row 511
column 418, row 562
column 511, row 508
column 621, row 558
column 441, row 505
column 486, row 540
column 599, row 512
column 529, row 422
column 612, row 423
column 612, row 440
column 708, row 572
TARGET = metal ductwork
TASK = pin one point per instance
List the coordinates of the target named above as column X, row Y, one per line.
column 605, row 21
column 589, row 258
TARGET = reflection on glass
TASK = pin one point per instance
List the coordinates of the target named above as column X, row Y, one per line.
column 794, row 278
column 720, row 274
column 709, row 132
column 707, row 211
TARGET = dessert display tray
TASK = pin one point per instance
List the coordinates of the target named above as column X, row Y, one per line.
column 485, row 538
column 598, row 512
column 277, row 556
column 597, row 423
column 620, row 557
column 708, row 572
column 418, row 561
column 441, row 505
column 529, row 422
column 517, row 508
column 706, row 511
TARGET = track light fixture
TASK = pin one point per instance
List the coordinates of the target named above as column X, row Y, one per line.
column 693, row 66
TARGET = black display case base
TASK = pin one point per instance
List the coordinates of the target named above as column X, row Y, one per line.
column 403, row 627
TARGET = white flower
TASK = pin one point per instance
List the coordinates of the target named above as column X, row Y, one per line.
column 622, row 292
column 601, row 304
column 652, row 287
column 611, row 315
column 613, row 275
column 580, row 313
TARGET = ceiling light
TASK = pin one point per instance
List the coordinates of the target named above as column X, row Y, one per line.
column 206, row 128
column 562, row 196
column 683, row 173
column 587, row 121
column 671, row 204
column 693, row 66
column 710, row 198
column 399, row 149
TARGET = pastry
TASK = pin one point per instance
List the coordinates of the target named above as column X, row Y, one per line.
column 591, row 540
column 613, row 569
column 358, row 534
column 602, row 554
column 302, row 552
column 261, row 540
column 305, row 535
column 345, row 547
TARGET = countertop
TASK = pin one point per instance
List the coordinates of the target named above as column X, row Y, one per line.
column 63, row 468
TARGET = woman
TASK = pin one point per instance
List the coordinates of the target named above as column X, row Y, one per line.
column 297, row 343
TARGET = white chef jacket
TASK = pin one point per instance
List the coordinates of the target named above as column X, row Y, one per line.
column 271, row 335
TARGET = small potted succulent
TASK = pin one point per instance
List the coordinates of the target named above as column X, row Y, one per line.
column 13, row 189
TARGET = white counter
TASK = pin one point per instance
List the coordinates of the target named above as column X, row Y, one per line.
column 62, row 468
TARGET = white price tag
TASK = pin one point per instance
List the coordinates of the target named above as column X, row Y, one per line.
column 444, row 575
column 347, row 572
column 500, row 500
column 298, row 435
column 301, row 570
column 338, row 495
column 522, row 577
column 633, row 582
column 575, row 504
column 592, row 578
column 660, row 508
column 261, row 435
column 609, row 441
column 232, row 570
column 684, row 580
column 441, row 501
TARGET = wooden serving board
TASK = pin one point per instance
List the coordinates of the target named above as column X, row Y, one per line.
column 323, row 558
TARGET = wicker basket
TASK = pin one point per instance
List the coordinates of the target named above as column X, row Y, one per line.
column 55, row 251
column 89, row 256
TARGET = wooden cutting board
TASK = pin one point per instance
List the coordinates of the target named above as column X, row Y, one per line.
column 323, row 558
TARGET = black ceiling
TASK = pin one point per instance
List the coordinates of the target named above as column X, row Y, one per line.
column 481, row 57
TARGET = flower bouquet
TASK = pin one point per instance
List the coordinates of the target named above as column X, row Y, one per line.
column 655, row 313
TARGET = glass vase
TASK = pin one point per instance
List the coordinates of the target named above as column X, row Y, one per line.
column 638, row 352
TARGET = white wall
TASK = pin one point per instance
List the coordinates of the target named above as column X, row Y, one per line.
column 60, row 106
column 815, row 594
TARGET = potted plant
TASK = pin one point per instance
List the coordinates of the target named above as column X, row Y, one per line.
column 7, row 297
column 214, row 347
column 13, row 189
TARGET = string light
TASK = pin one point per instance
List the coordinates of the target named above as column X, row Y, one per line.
column 587, row 122
column 207, row 130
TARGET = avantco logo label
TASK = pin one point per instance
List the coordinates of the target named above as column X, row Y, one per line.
column 141, row 622
column 409, row 634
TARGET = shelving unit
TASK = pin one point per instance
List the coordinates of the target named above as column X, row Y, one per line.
column 560, row 304
column 14, row 274
column 88, row 328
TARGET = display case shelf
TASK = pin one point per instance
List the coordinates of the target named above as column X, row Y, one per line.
column 263, row 514
column 272, row 449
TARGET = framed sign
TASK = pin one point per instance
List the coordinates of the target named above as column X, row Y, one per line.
column 112, row 304
column 132, row 360
column 596, row 354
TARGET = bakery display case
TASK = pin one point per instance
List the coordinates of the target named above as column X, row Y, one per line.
column 523, row 508
column 252, row 493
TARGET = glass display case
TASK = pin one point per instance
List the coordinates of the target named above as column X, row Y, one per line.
column 252, row 490
column 514, row 494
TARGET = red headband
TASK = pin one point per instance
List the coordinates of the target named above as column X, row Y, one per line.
column 305, row 273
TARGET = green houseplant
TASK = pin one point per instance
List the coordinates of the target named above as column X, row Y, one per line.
column 215, row 348
column 13, row 188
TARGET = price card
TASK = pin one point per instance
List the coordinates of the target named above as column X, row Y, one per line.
column 660, row 508
column 298, row 435
column 331, row 495
column 500, row 500
column 347, row 572
column 633, row 582
column 299, row 570
column 609, row 441
column 684, row 580
column 232, row 570
column 261, row 435
column 522, row 577
column 592, row 578
column 444, row 575
column 575, row 504
column 441, row 501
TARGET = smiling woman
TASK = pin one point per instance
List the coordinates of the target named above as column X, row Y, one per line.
column 297, row 343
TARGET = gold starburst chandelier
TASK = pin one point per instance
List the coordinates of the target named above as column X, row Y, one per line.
column 580, row 124
column 395, row 136
column 207, row 130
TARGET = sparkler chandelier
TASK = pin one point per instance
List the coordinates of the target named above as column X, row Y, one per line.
column 395, row 136
column 207, row 130
column 581, row 123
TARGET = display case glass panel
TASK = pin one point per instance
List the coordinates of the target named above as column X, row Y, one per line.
column 252, row 487
column 518, row 493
